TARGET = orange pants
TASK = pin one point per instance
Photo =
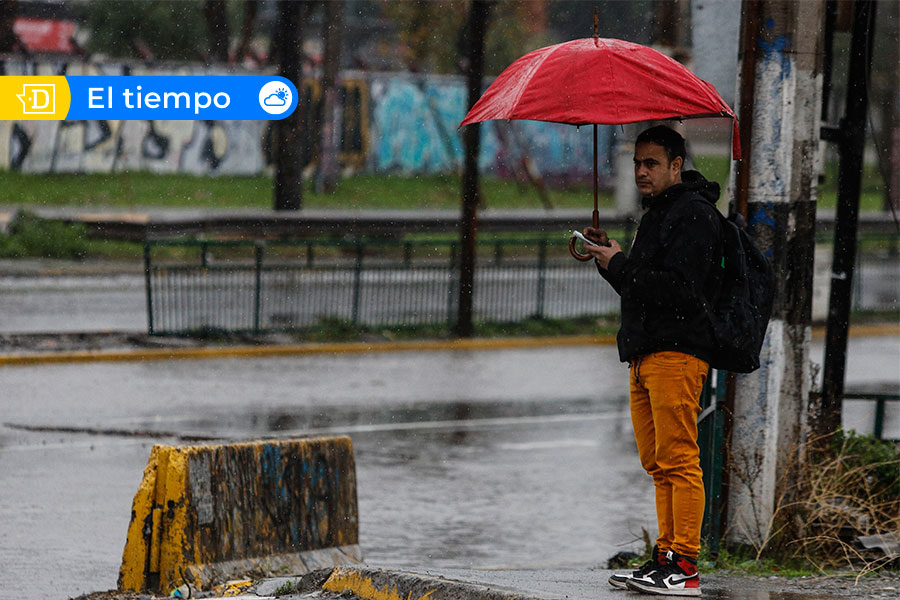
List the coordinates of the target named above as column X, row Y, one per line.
column 665, row 404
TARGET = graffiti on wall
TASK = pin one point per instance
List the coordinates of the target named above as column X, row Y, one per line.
column 388, row 123
column 414, row 130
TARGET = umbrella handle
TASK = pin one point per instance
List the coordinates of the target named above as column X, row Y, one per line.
column 575, row 253
column 595, row 216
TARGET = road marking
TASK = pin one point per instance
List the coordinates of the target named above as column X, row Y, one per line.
column 451, row 424
column 550, row 445
column 460, row 423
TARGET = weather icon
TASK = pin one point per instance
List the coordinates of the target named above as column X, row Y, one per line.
column 275, row 98
column 279, row 98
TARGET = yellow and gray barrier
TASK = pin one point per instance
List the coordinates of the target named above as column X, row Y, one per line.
column 204, row 514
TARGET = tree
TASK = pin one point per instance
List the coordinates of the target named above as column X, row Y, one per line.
column 8, row 10
column 476, row 28
column 247, row 26
column 327, row 171
column 424, row 28
column 217, row 25
column 168, row 30
column 288, row 133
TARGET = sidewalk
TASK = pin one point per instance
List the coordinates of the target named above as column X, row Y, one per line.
column 369, row 583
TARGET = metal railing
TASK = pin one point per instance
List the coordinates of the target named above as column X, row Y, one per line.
column 880, row 399
column 283, row 286
column 246, row 286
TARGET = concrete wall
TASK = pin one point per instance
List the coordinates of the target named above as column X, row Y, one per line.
column 205, row 514
column 389, row 123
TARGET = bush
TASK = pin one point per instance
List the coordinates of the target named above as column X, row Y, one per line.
column 31, row 236
column 879, row 460
column 851, row 489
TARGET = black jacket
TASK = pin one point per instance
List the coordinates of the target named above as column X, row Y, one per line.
column 674, row 266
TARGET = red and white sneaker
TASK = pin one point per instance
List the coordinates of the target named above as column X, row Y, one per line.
column 678, row 577
column 656, row 561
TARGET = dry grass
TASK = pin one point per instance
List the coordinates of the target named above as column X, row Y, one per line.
column 848, row 486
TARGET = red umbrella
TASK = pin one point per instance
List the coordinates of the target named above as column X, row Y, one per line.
column 600, row 81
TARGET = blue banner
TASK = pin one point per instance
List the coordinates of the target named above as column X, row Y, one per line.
column 180, row 97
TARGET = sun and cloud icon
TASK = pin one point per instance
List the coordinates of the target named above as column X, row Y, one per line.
column 279, row 98
column 275, row 98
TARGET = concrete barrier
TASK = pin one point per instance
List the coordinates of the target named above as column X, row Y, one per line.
column 205, row 514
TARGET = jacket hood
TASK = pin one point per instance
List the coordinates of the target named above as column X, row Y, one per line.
column 691, row 181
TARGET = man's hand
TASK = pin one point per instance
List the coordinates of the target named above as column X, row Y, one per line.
column 596, row 235
column 602, row 254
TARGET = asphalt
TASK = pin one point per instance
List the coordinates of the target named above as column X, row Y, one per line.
column 407, row 582
column 404, row 583
column 365, row 582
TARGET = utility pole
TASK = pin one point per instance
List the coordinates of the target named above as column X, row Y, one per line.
column 328, row 169
column 288, row 134
column 477, row 24
column 775, row 187
column 851, row 140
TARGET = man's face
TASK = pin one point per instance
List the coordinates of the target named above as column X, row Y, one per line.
column 653, row 173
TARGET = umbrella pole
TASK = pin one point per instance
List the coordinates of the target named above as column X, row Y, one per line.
column 595, row 216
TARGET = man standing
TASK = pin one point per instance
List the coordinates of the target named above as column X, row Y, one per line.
column 673, row 271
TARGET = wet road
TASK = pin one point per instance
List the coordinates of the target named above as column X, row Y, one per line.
column 466, row 459
column 73, row 303
column 459, row 454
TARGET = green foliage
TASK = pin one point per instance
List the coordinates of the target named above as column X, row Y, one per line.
column 139, row 190
column 542, row 327
column 880, row 458
column 30, row 236
column 135, row 191
column 743, row 560
column 340, row 330
column 171, row 30
column 714, row 168
column 513, row 31
column 430, row 33
column 717, row 168
column 285, row 589
column 871, row 195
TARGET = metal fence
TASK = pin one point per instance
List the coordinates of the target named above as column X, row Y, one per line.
column 283, row 285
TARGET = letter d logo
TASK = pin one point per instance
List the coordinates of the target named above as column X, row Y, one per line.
column 38, row 99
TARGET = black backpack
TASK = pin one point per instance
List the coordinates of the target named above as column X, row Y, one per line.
column 741, row 313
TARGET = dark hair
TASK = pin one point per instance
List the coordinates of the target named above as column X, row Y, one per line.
column 669, row 139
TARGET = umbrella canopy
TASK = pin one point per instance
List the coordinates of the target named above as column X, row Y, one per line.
column 600, row 81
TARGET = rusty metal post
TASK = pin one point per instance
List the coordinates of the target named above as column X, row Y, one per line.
column 851, row 139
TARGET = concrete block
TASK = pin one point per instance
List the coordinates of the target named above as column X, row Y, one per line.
column 209, row 513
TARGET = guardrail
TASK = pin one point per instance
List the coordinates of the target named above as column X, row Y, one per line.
column 266, row 286
column 880, row 399
column 294, row 285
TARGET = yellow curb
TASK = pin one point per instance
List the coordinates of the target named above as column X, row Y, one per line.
column 296, row 350
column 868, row 330
column 83, row 356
